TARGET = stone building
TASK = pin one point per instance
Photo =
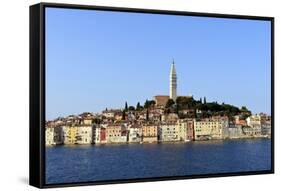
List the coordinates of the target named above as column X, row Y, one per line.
column 116, row 133
column 161, row 100
column 254, row 122
column 135, row 133
column 235, row 131
column 182, row 127
column 169, row 132
column 210, row 129
column 99, row 134
column 70, row 134
column 53, row 135
column 84, row 134
column 190, row 130
column 149, row 133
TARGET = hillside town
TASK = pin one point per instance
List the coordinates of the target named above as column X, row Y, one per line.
column 165, row 118
column 140, row 127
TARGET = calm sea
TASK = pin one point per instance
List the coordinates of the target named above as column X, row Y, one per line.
column 66, row 164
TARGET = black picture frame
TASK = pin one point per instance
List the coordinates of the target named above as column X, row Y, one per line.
column 37, row 93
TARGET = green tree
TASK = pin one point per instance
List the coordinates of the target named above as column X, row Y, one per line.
column 146, row 104
column 170, row 103
column 149, row 103
column 126, row 106
column 96, row 121
column 245, row 112
column 123, row 114
column 205, row 101
column 244, row 109
column 131, row 108
column 138, row 106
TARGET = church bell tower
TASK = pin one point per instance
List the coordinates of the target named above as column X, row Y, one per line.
column 173, row 82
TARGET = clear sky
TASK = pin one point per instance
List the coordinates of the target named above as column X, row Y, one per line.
column 97, row 59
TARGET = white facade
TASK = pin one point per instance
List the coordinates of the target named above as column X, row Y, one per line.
column 254, row 122
column 49, row 136
column 169, row 132
column 96, row 134
column 210, row 129
column 53, row 135
column 135, row 134
column 84, row 134
column 266, row 128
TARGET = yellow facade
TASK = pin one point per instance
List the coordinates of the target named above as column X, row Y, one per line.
column 149, row 131
column 70, row 134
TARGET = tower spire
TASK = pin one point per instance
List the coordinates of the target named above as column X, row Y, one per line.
column 173, row 82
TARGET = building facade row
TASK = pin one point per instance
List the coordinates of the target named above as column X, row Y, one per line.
column 172, row 131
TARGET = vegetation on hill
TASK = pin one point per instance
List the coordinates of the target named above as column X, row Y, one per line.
column 189, row 107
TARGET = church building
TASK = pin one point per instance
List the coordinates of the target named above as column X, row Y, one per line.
column 161, row 100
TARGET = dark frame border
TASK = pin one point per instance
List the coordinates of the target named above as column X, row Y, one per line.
column 37, row 93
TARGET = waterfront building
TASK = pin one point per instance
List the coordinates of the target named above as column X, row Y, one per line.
column 182, row 126
column 96, row 133
column 266, row 128
column 116, row 133
column 210, row 129
column 169, row 132
column 254, row 122
column 190, row 130
column 70, row 134
column 235, row 131
column 53, row 135
column 99, row 134
column 84, row 134
column 103, row 135
column 49, row 136
column 149, row 133
column 249, row 131
column 135, row 133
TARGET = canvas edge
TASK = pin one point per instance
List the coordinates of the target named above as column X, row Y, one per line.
column 37, row 93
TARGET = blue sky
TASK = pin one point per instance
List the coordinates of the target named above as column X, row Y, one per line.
column 97, row 59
